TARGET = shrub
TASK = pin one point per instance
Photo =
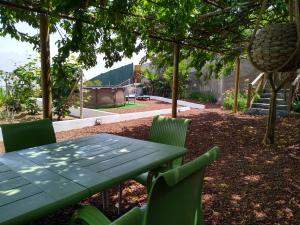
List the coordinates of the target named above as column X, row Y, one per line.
column 2, row 97
column 203, row 97
column 23, row 88
column 183, row 78
column 156, row 85
column 64, row 77
column 229, row 101
column 296, row 106
column 92, row 83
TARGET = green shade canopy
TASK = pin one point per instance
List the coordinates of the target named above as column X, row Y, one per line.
column 116, row 76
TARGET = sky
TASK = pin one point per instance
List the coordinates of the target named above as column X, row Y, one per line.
column 14, row 53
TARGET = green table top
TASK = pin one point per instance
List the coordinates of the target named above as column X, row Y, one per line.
column 37, row 181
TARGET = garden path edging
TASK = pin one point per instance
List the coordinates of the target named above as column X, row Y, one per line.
column 179, row 102
column 87, row 122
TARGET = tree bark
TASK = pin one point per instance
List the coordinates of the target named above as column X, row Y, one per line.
column 175, row 79
column 237, row 84
column 269, row 138
column 81, row 95
column 45, row 66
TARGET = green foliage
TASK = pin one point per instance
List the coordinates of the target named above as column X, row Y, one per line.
column 64, row 77
column 2, row 97
column 149, row 75
column 203, row 97
column 296, row 106
column 229, row 101
column 92, row 83
column 162, row 85
column 156, row 84
column 183, row 77
column 120, row 28
column 23, row 87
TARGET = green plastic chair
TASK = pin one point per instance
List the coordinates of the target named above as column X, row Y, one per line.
column 168, row 131
column 174, row 199
column 26, row 135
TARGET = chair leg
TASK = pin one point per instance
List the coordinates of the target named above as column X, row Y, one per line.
column 120, row 199
column 105, row 199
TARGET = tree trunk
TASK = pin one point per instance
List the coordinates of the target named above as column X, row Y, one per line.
column 81, row 95
column 237, row 84
column 45, row 66
column 269, row 138
column 175, row 79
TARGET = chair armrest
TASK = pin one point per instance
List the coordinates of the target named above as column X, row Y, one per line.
column 133, row 217
column 89, row 215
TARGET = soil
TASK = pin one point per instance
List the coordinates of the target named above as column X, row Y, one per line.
column 249, row 184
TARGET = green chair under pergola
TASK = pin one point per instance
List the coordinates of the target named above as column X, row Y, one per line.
column 164, row 130
column 26, row 135
column 174, row 199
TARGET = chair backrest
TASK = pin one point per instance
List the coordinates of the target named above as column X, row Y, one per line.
column 170, row 131
column 29, row 134
column 175, row 197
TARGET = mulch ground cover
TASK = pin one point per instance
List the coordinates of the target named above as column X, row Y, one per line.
column 249, row 184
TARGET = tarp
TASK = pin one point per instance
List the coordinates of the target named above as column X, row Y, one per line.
column 116, row 76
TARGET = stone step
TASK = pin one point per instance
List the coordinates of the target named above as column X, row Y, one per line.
column 266, row 106
column 267, row 100
column 266, row 90
column 258, row 111
column 269, row 94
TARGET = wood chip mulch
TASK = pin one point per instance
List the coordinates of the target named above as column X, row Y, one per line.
column 249, row 184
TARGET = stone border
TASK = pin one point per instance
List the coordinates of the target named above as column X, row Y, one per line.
column 179, row 102
column 87, row 122
column 88, row 113
column 114, row 118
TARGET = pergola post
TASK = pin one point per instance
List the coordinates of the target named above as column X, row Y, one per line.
column 81, row 95
column 237, row 84
column 45, row 65
column 175, row 78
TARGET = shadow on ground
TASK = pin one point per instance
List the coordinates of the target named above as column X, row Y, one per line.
column 250, row 184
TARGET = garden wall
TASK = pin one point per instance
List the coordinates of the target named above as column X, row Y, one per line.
column 217, row 87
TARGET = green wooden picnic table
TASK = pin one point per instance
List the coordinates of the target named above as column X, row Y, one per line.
column 37, row 181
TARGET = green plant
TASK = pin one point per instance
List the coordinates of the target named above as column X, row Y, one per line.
column 65, row 76
column 296, row 106
column 183, row 77
column 2, row 97
column 92, row 83
column 228, row 102
column 32, row 107
column 149, row 86
column 203, row 97
column 23, row 87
